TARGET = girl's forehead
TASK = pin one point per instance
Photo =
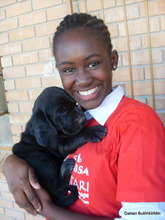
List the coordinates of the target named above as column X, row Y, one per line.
column 78, row 34
column 78, row 40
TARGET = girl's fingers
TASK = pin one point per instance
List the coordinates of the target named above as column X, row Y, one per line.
column 23, row 202
column 33, row 179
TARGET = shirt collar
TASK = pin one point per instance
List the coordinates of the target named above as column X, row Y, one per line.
column 107, row 107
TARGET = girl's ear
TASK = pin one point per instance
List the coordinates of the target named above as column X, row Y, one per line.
column 114, row 59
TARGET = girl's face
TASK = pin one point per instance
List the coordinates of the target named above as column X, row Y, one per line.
column 85, row 66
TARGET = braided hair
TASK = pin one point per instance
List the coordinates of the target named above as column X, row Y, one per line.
column 77, row 20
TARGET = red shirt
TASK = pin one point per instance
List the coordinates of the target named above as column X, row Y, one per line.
column 127, row 165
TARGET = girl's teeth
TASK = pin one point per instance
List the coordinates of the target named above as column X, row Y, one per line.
column 88, row 92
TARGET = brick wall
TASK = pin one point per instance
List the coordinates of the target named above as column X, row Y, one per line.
column 26, row 29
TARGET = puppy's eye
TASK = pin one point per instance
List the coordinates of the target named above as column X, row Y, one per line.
column 94, row 64
column 68, row 70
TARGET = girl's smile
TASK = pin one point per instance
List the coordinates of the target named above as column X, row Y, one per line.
column 85, row 66
column 89, row 94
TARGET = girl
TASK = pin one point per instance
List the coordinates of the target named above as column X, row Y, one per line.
column 123, row 175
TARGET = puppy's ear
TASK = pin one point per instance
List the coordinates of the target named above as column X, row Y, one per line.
column 40, row 127
column 41, row 137
column 44, row 134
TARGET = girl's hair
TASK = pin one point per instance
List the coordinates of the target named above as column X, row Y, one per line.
column 77, row 20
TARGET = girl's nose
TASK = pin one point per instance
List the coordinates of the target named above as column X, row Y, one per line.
column 83, row 77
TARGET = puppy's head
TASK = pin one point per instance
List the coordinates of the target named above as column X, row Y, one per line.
column 70, row 118
column 60, row 110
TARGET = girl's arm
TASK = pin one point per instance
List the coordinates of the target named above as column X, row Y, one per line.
column 52, row 212
column 20, row 178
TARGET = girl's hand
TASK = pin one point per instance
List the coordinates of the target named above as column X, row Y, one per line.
column 45, row 199
column 21, row 181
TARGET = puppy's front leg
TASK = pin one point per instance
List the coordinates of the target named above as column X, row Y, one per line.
column 94, row 133
column 89, row 134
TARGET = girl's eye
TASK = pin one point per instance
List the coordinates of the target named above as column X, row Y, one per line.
column 94, row 64
column 68, row 70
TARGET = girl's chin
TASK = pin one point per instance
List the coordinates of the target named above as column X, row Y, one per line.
column 90, row 104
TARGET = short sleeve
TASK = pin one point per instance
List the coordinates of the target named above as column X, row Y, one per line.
column 141, row 161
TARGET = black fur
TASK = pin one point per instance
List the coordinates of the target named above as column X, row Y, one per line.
column 55, row 129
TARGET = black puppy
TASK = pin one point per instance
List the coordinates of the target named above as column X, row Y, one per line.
column 55, row 129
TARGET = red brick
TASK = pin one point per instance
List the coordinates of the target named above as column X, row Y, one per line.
column 9, row 84
column 140, row 57
column 26, row 107
column 25, row 58
column 3, row 38
column 28, row 83
column 135, row 42
column 6, row 61
column 113, row 29
column 160, row 87
column 8, row 24
column 160, row 103
column 33, row 94
column 157, row 55
column 56, row 12
column 6, row 2
column 162, row 22
column 45, row 55
column 157, row 39
column 156, row 7
column 37, row 4
column 21, row 34
column 137, row 26
column 114, row 14
column 123, row 74
column 132, row 1
column 154, row 24
column 36, row 43
column 132, row 11
column 51, row 81
column 19, row 118
column 32, row 18
column 14, row 72
column 16, row 95
column 2, row 14
column 13, row 107
column 109, row 4
column 11, row 48
column 39, row 69
column 122, row 29
column 95, row 6
column 46, row 28
column 159, row 71
column 120, row 44
column 140, row 88
column 18, row 8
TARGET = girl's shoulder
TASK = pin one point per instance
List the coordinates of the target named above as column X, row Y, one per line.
column 133, row 111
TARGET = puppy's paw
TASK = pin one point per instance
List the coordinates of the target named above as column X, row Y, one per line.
column 96, row 133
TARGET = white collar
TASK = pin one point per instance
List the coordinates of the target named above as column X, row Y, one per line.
column 107, row 107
